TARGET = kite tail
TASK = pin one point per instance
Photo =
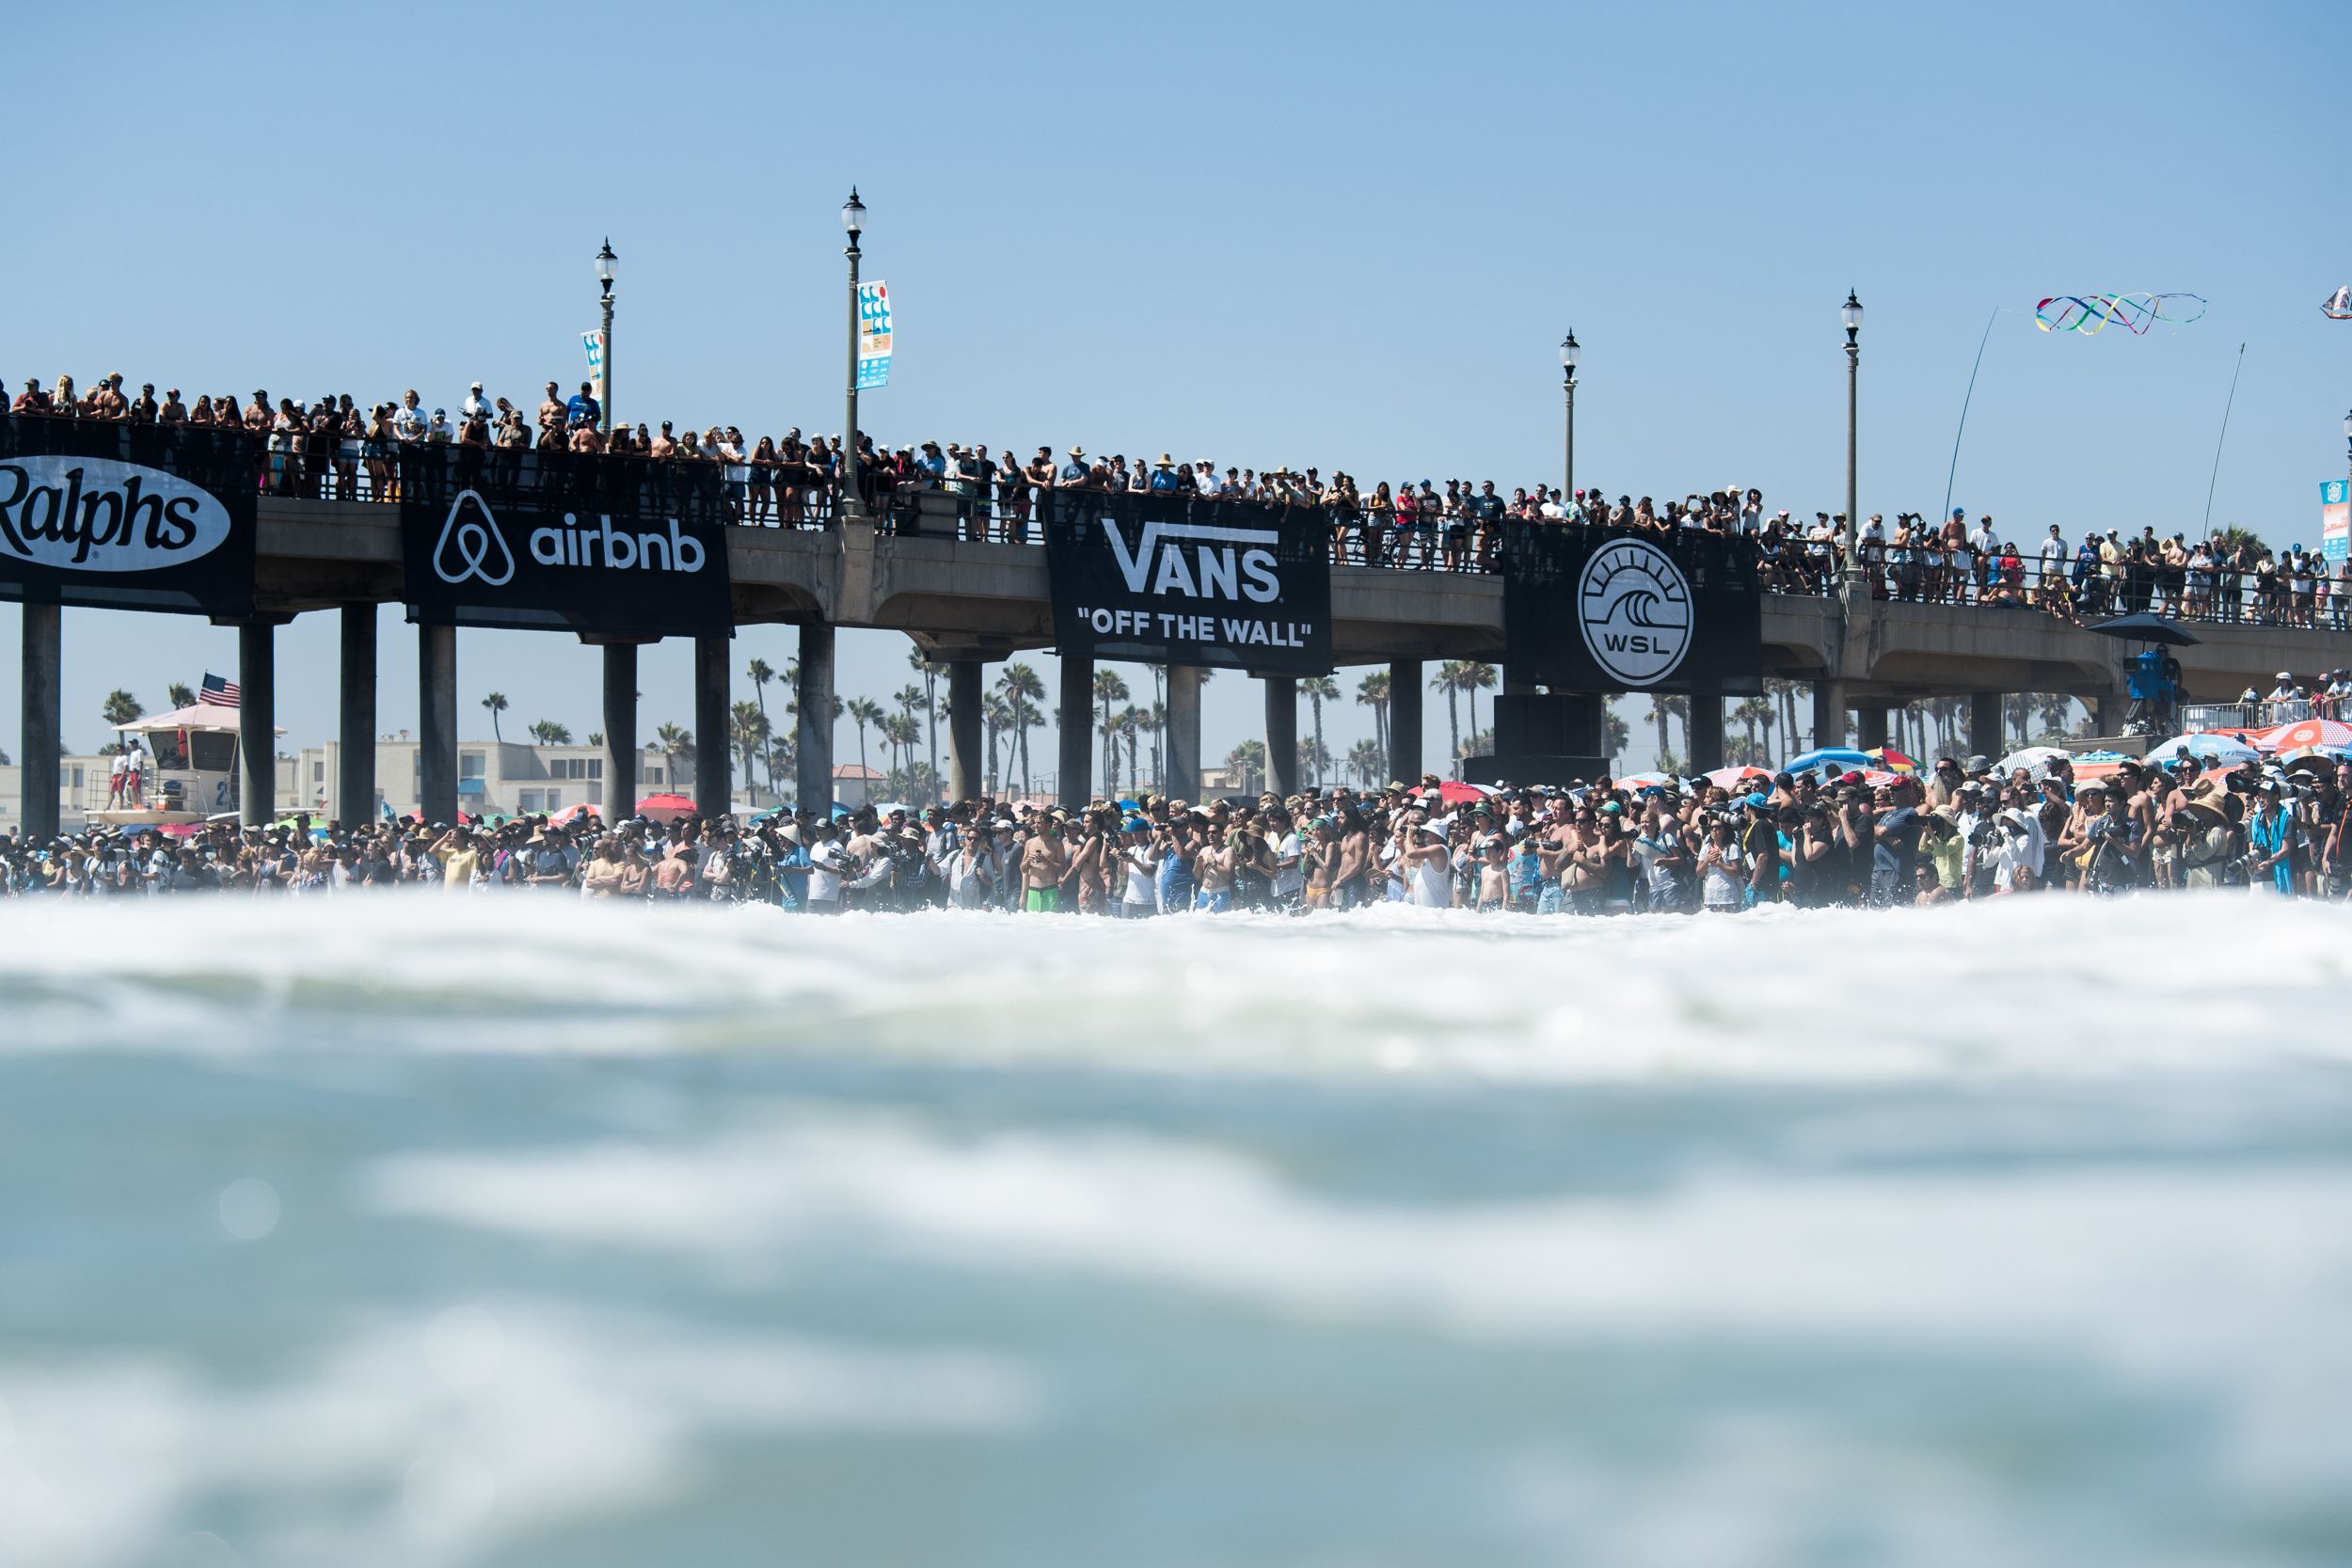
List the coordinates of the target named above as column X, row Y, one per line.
column 2225, row 436
column 1954, row 470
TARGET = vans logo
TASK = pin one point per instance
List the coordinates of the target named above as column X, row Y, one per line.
column 1213, row 567
column 474, row 549
column 97, row 514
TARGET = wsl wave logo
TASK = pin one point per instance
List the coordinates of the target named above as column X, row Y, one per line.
column 1633, row 606
column 96, row 514
column 472, row 548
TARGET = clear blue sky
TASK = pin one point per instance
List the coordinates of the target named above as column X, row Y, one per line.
column 1350, row 236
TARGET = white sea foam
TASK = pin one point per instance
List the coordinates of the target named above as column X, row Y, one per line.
column 2048, row 985
column 2225, row 1283
column 365, row 1459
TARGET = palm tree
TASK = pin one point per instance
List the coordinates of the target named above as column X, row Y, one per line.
column 120, row 707
column 496, row 703
column 1367, row 760
column 749, row 726
column 904, row 732
column 178, row 695
column 996, row 716
column 761, row 673
column 1154, row 721
column 2017, row 710
column 862, row 711
column 674, row 742
column 547, row 732
column 1615, row 735
column 1475, row 678
column 1747, row 714
column 1110, row 689
column 1658, row 713
column 1449, row 680
column 1319, row 689
column 1247, row 761
column 1129, row 726
column 928, row 668
column 1022, row 687
column 1372, row 693
column 1313, row 758
column 2058, row 715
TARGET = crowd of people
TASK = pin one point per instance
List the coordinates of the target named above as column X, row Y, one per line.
column 332, row 448
column 1816, row 838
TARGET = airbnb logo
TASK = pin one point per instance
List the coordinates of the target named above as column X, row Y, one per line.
column 470, row 546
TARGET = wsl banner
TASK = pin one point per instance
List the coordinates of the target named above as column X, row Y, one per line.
column 1591, row 611
column 1166, row 580
column 114, row 516
column 498, row 558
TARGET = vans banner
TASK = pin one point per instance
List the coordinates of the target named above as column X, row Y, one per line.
column 1590, row 610
column 1168, row 579
column 496, row 559
column 113, row 516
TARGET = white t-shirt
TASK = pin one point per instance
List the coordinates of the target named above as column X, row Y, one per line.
column 1142, row 889
column 1289, row 872
column 824, row 872
column 1723, row 879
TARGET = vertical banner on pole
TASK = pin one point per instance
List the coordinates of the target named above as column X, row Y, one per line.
column 2335, row 519
column 593, row 343
column 873, row 335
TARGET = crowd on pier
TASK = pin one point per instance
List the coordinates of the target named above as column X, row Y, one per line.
column 335, row 448
column 1815, row 837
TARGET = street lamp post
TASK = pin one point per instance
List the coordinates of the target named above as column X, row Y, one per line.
column 1569, row 354
column 608, row 267
column 853, row 504
column 1851, row 313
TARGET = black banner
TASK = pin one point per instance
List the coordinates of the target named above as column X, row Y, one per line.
column 606, row 546
column 1174, row 579
column 1592, row 609
column 114, row 516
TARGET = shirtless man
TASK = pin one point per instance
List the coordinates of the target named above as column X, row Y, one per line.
column 1042, row 863
column 551, row 410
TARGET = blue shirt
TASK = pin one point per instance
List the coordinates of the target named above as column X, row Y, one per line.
column 583, row 409
column 1073, row 473
column 1163, row 479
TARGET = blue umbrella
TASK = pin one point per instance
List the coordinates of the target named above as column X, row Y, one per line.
column 1844, row 758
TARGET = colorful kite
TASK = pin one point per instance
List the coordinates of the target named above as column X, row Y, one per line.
column 2339, row 306
column 2135, row 314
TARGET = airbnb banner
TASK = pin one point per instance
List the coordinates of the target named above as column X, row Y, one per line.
column 501, row 558
column 1170, row 580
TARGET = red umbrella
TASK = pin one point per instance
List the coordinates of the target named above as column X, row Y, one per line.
column 1454, row 793
column 665, row 808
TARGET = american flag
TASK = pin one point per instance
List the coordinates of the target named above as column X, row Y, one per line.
column 216, row 692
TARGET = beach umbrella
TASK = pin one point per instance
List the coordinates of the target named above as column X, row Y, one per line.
column 1889, row 757
column 569, row 815
column 2033, row 759
column 2228, row 750
column 664, row 807
column 1844, row 758
column 2145, row 627
column 2304, row 733
column 2314, row 758
column 1454, row 793
column 1732, row 778
column 1648, row 780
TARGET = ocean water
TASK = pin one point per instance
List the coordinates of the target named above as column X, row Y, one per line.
column 430, row 1230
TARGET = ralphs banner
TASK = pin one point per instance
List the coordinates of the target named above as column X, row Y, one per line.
column 613, row 561
column 115, row 515
column 1594, row 611
column 1170, row 579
